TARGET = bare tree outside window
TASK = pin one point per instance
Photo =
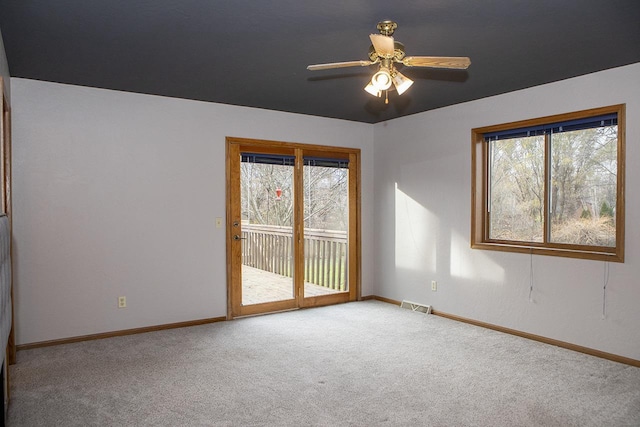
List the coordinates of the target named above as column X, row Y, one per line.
column 325, row 195
column 260, row 201
column 553, row 185
column 583, row 186
column 326, row 198
column 583, row 167
column 517, row 189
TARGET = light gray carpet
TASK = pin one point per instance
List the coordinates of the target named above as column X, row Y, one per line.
column 358, row 364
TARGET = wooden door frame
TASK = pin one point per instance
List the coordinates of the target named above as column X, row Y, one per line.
column 234, row 146
column 5, row 146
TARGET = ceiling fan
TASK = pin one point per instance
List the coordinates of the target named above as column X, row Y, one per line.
column 386, row 52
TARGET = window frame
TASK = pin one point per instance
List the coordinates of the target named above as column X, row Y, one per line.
column 480, row 192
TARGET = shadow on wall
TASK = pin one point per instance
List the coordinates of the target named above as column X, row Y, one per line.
column 429, row 209
column 476, row 266
column 415, row 234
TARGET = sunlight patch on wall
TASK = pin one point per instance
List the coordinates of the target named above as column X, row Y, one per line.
column 416, row 233
column 473, row 265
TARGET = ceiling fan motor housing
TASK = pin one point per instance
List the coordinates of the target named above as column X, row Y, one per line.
column 387, row 27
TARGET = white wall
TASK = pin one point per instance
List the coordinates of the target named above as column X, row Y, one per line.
column 116, row 194
column 423, row 198
column 4, row 67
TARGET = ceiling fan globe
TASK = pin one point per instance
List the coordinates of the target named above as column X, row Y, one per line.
column 382, row 79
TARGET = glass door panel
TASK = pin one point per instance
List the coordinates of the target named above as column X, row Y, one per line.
column 326, row 226
column 267, row 209
column 292, row 233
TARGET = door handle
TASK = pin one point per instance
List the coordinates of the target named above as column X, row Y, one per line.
column 237, row 237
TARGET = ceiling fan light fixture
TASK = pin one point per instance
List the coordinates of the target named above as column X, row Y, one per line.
column 372, row 90
column 382, row 79
column 386, row 52
column 401, row 82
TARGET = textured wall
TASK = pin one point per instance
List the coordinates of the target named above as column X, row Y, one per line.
column 117, row 193
column 422, row 204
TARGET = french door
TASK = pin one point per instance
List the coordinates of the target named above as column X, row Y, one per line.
column 292, row 226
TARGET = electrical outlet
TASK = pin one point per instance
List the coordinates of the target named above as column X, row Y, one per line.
column 122, row 302
column 434, row 285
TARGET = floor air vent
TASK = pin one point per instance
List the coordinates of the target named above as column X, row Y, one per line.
column 414, row 306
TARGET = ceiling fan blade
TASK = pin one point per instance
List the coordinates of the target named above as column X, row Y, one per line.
column 383, row 45
column 339, row 65
column 455, row 62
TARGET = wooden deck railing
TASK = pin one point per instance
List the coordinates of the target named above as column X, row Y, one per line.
column 270, row 247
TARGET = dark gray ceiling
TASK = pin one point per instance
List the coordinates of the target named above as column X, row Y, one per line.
column 255, row 52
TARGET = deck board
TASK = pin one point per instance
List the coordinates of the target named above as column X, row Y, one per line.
column 259, row 286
